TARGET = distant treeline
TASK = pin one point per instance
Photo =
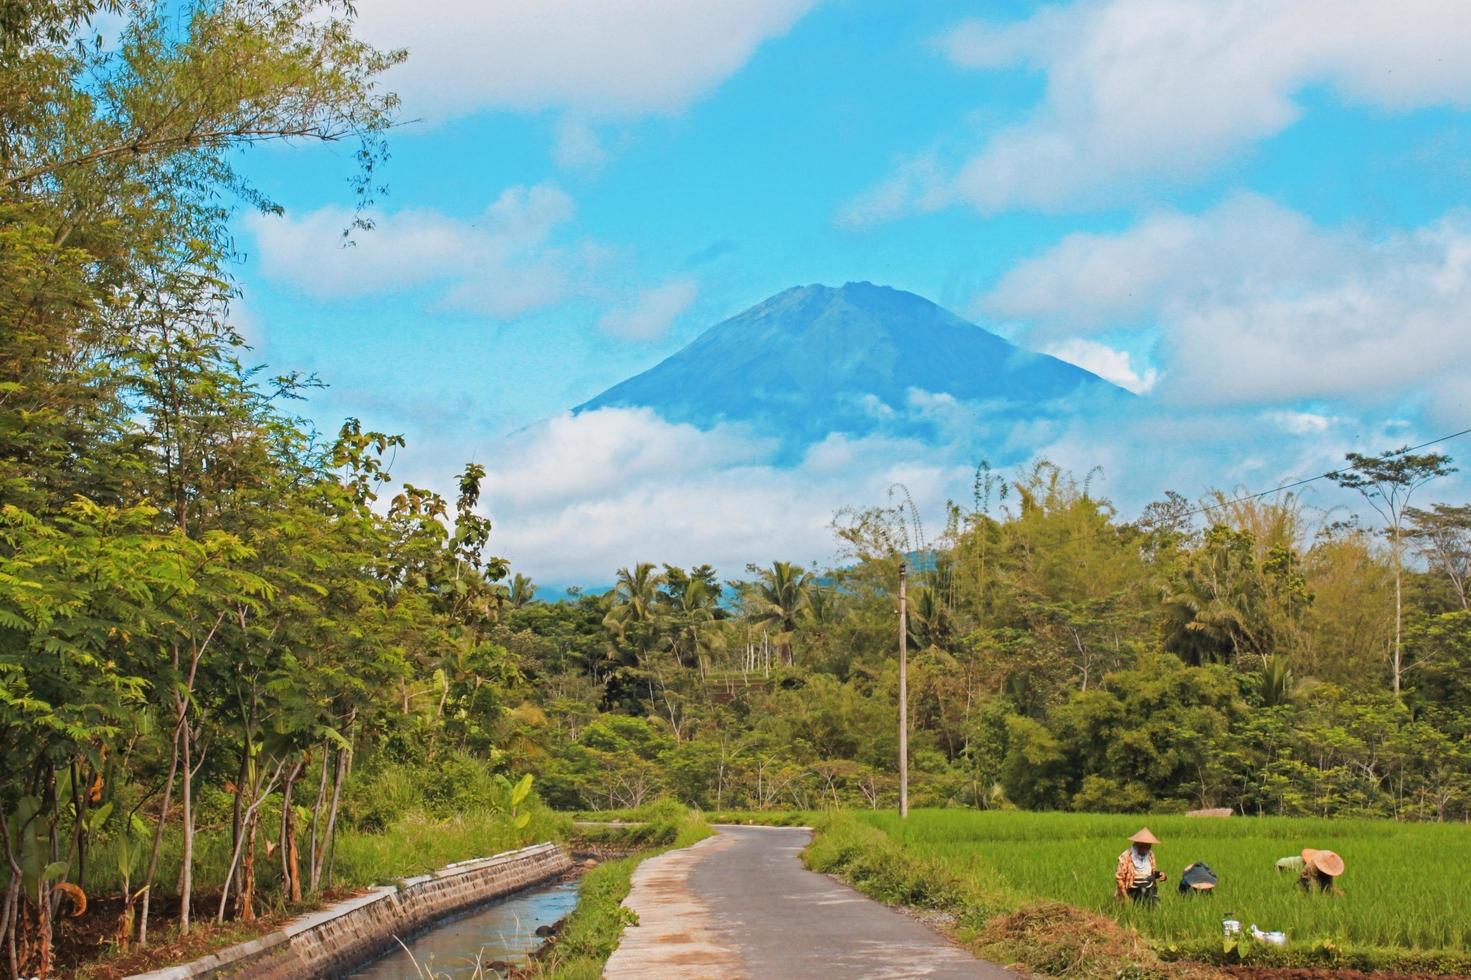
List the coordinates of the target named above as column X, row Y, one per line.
column 1223, row 652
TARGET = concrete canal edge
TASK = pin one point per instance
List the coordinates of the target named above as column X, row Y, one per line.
column 342, row 936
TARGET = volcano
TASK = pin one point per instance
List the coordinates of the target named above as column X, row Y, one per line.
column 857, row 360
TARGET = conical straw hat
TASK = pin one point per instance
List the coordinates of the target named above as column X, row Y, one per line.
column 1325, row 861
column 1144, row 837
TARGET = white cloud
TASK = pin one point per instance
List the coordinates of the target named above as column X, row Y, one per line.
column 1241, row 247
column 1301, row 423
column 499, row 264
column 598, row 453
column 1106, row 362
column 592, row 56
column 652, row 313
column 576, row 148
column 1148, row 90
column 576, row 497
column 1193, row 450
column 917, row 184
column 1253, row 303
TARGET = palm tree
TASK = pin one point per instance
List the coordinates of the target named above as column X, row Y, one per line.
column 692, row 613
column 1274, row 681
column 781, row 594
column 929, row 621
column 523, row 591
column 634, row 616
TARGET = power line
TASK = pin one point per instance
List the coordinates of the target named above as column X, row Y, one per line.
column 1404, row 451
column 1144, row 524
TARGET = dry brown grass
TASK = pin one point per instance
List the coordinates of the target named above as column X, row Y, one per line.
column 1059, row 940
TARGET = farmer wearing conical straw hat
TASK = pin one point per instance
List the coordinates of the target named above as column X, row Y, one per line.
column 1138, row 876
column 1320, row 869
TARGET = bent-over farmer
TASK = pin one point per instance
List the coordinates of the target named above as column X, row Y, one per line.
column 1320, row 869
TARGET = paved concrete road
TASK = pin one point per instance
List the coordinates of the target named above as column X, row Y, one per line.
column 740, row 904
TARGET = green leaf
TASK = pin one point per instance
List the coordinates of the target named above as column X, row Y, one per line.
column 99, row 816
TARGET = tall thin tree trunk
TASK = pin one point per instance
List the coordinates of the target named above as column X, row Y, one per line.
column 81, row 798
column 242, row 780
column 311, row 850
column 319, row 862
column 250, row 813
column 186, row 741
column 186, row 857
column 13, row 897
column 245, row 897
column 1398, row 609
column 346, row 773
column 163, row 816
column 290, row 861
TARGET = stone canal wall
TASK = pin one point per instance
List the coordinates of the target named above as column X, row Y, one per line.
column 336, row 939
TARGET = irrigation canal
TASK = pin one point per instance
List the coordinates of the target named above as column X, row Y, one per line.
column 503, row 931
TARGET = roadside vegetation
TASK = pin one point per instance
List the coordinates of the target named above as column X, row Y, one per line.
column 591, row 933
column 766, row 818
column 241, row 667
column 1037, row 889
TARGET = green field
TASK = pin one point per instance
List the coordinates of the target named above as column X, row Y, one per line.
column 1403, row 894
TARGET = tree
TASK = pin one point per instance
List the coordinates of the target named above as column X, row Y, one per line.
column 1387, row 482
column 634, row 615
column 692, row 616
column 1443, row 536
column 522, row 591
column 1213, row 604
column 143, row 472
column 781, row 594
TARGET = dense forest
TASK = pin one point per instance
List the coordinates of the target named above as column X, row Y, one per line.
column 1250, row 654
column 226, row 637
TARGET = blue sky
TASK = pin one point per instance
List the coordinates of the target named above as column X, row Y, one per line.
column 1251, row 211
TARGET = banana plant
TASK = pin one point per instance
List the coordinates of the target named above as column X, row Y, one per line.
column 31, row 844
column 513, row 795
column 134, row 832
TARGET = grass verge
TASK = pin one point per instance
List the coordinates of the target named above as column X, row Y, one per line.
column 766, row 818
column 595, row 927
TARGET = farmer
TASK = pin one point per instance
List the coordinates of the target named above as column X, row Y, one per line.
column 1198, row 879
column 1320, row 869
column 1137, row 875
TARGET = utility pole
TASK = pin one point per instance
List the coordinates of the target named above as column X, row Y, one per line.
column 903, row 695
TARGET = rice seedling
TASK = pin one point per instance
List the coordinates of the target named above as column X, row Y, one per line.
column 1403, row 888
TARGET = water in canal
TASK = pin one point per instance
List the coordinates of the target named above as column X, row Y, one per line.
column 504, row 930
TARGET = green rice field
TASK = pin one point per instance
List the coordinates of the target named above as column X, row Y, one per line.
column 1405, row 885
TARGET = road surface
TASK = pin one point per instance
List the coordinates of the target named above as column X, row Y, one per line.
column 740, row 904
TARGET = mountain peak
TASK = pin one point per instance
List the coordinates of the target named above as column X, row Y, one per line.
column 862, row 295
column 817, row 359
